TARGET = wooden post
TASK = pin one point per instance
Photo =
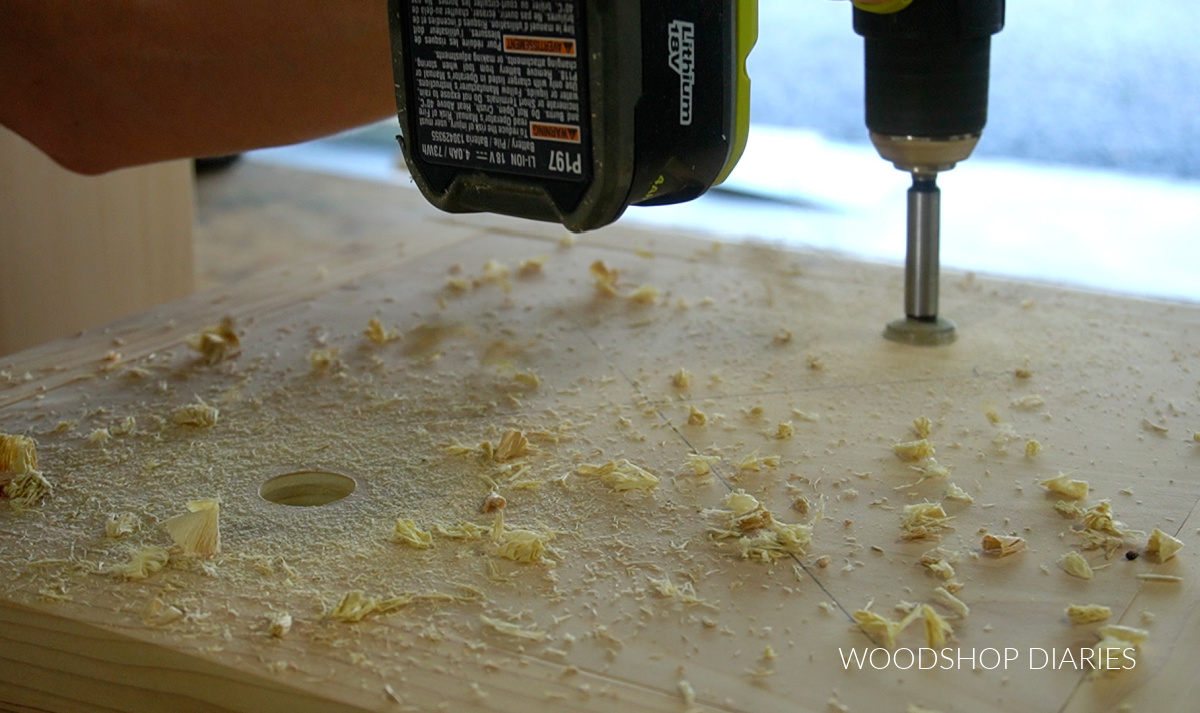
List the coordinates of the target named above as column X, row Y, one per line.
column 78, row 251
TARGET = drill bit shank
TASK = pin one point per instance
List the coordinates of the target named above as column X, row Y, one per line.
column 921, row 266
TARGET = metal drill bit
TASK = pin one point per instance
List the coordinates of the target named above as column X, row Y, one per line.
column 922, row 325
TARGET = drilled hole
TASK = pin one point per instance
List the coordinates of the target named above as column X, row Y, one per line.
column 307, row 488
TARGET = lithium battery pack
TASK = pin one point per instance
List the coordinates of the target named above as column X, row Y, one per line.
column 570, row 110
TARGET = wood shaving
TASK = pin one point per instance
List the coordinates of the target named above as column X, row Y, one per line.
column 18, row 454
column 700, row 464
column 914, row 450
column 806, row 415
column 217, row 343
column 681, row 379
column 938, row 565
column 605, row 278
column 645, row 295
column 120, row 525
column 199, row 414
column 1070, row 510
column 461, row 530
column 1154, row 427
column 510, row 629
column 1022, row 373
column 621, row 475
column 513, row 444
column 528, row 379
column 1002, row 545
column 880, row 627
column 953, row 492
column 754, row 463
column 922, row 427
column 519, row 545
column 458, row 284
column 406, row 532
column 937, row 629
column 1032, row 448
column 198, row 531
column 99, row 437
column 758, row 535
column 26, row 489
column 1064, row 485
column 355, row 606
column 142, row 563
column 952, row 602
column 493, row 502
column 1032, row 401
column 1075, row 565
column 1099, row 519
column 567, row 241
column 1122, row 639
column 1087, row 613
column 1154, row 577
column 687, row 692
column 685, row 592
column 784, row 430
column 279, row 624
column 532, row 266
column 923, row 520
column 783, row 336
column 696, row 417
column 1161, row 546
column 323, row 359
column 379, row 334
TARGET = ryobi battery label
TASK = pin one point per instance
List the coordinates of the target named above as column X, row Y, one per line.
column 501, row 85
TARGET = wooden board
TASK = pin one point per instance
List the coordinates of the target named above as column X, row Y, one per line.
column 80, row 251
column 758, row 636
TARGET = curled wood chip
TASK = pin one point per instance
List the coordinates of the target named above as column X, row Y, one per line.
column 1076, row 566
column 216, row 343
column 914, row 450
column 18, row 454
column 519, row 544
column 923, row 520
column 681, row 379
column 1002, row 545
column 199, row 414
column 784, row 430
column 532, row 266
column 952, row 602
column 26, row 489
column 513, row 444
column 1161, row 546
column 1087, row 613
column 1118, row 647
column 406, row 532
column 142, row 563
column 646, row 295
column 620, row 475
column 696, row 417
column 937, row 629
column 755, row 463
column 1064, row 485
column 922, row 426
column 605, row 278
column 120, row 525
column 279, row 624
column 323, row 359
column 1154, row 427
column 1031, row 401
column 198, row 531
column 756, row 532
column 700, row 464
column 379, row 334
column 355, row 606
column 953, row 492
column 1032, row 448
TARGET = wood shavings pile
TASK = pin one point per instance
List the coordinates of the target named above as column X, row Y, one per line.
column 756, row 532
column 198, row 414
column 21, row 483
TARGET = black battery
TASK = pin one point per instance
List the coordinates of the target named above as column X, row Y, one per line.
column 570, row 110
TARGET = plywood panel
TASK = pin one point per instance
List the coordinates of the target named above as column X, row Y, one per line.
column 768, row 337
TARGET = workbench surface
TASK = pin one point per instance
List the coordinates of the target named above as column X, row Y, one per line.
column 635, row 599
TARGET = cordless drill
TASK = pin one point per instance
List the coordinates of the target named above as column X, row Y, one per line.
column 927, row 64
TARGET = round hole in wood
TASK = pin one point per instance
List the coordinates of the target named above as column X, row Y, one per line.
column 307, row 488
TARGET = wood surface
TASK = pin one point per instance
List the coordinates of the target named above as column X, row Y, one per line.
column 81, row 251
column 1110, row 372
